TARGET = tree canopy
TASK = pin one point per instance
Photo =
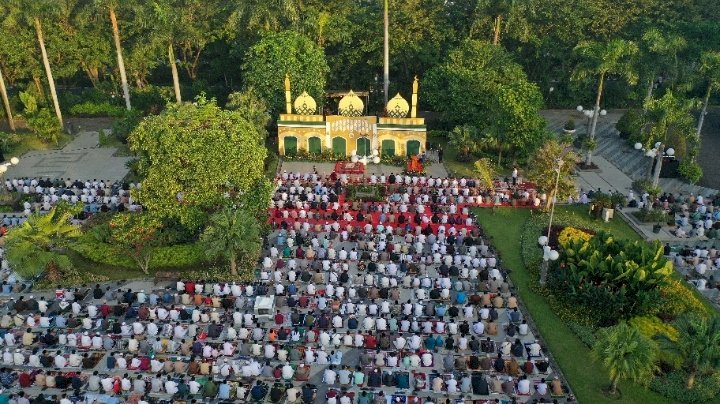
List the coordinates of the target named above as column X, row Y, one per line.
column 194, row 158
column 278, row 54
column 480, row 84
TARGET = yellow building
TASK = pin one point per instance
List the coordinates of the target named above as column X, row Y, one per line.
column 302, row 129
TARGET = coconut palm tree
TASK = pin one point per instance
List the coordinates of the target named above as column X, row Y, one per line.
column 232, row 234
column 165, row 16
column 626, row 353
column 710, row 69
column 659, row 55
column 6, row 103
column 464, row 140
column 34, row 11
column 601, row 60
column 111, row 7
column 669, row 121
column 697, row 346
column 32, row 246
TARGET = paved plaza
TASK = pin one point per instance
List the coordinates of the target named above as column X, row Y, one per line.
column 81, row 159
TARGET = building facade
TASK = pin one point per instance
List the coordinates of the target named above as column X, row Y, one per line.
column 301, row 129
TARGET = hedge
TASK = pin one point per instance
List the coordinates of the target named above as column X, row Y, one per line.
column 174, row 256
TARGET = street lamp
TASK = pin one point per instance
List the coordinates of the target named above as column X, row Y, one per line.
column 548, row 255
column 3, row 169
column 658, row 152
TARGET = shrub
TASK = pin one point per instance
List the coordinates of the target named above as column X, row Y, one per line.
column 677, row 298
column 612, row 279
column 127, row 122
column 178, row 256
column 571, row 233
column 44, row 125
column 629, row 125
column 691, row 171
column 586, row 334
column 673, row 386
column 90, row 108
column 569, row 125
column 651, row 215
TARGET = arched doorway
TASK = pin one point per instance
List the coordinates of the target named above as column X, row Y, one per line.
column 290, row 144
column 314, row 145
column 363, row 147
column 413, row 147
column 388, row 147
column 339, row 146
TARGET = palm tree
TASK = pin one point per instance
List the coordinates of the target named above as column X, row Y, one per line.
column 601, row 60
column 232, row 234
column 486, row 172
column 697, row 346
column 710, row 68
column 6, row 103
column 111, row 6
column 463, row 139
column 34, row 10
column 626, row 353
column 166, row 16
column 659, row 54
column 266, row 15
column 32, row 246
column 668, row 120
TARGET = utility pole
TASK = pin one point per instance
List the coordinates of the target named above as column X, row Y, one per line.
column 386, row 68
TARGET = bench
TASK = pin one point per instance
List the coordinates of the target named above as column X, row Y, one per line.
column 166, row 276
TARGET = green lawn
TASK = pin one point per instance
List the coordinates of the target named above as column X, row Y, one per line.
column 586, row 377
column 455, row 167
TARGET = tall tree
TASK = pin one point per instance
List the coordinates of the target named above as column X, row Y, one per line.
column 697, row 346
column 599, row 60
column 277, row 54
column 111, row 6
column 659, row 55
column 710, row 70
column 669, row 121
column 35, row 10
column 481, row 85
column 195, row 159
column 266, row 15
column 552, row 168
column 167, row 16
column 626, row 353
column 6, row 102
column 234, row 235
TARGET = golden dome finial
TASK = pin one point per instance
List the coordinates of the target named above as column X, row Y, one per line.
column 397, row 107
column 351, row 105
column 305, row 104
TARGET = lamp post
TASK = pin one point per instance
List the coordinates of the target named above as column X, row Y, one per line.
column 658, row 152
column 590, row 114
column 3, row 169
column 548, row 255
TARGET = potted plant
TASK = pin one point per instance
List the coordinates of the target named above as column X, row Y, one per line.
column 656, row 228
column 569, row 127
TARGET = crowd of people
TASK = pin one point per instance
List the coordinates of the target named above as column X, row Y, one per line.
column 396, row 300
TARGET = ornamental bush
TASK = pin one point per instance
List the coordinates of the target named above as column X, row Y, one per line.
column 571, row 233
column 612, row 279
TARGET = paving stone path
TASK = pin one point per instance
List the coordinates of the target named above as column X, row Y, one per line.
column 83, row 158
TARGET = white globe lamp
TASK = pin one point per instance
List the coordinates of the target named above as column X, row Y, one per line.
column 15, row 160
column 376, row 160
column 542, row 240
column 638, row 146
column 670, row 152
column 579, row 108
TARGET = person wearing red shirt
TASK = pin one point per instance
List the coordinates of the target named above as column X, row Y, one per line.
column 190, row 287
column 370, row 341
column 279, row 318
